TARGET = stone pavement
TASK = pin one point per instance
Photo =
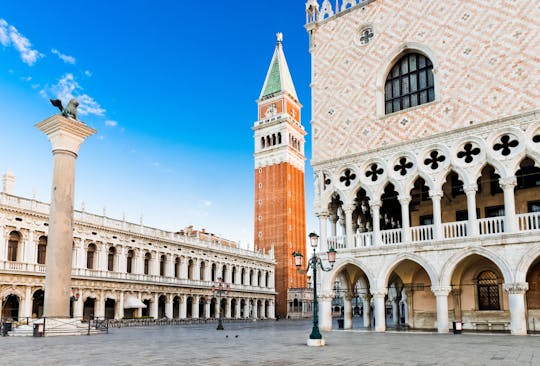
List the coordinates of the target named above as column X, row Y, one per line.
column 268, row 343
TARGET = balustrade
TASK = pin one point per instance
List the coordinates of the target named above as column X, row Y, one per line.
column 453, row 230
column 422, row 233
column 491, row 225
column 393, row 236
column 363, row 240
column 528, row 221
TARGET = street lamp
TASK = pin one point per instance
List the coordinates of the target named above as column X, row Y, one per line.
column 220, row 290
column 315, row 338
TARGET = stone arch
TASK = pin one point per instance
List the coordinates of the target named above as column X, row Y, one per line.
column 385, row 275
column 528, row 259
column 409, row 184
column 392, row 57
column 451, row 264
column 328, row 281
column 11, row 291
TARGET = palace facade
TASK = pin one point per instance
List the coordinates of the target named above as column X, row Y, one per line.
column 126, row 270
column 426, row 147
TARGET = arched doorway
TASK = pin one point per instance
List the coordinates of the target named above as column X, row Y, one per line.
column 233, row 308
column 110, row 305
column 176, row 307
column 161, row 306
column 189, row 308
column 88, row 308
column 213, row 308
column 202, row 303
column 533, row 297
column 10, row 308
column 146, row 311
column 37, row 303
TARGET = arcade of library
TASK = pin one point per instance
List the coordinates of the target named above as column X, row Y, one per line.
column 426, row 152
column 127, row 270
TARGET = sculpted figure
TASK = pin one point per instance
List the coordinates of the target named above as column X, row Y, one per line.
column 70, row 111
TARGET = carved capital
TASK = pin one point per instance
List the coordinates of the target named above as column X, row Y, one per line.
column 470, row 188
column 327, row 296
column 322, row 215
column 375, row 204
column 508, row 182
column 516, row 288
column 377, row 293
column 348, row 295
column 441, row 290
column 349, row 208
column 404, row 200
column 435, row 194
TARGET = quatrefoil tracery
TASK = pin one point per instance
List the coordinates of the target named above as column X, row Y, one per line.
column 347, row 177
column 468, row 153
column 374, row 172
column 403, row 166
column 327, row 181
column 506, row 145
column 434, row 159
column 536, row 139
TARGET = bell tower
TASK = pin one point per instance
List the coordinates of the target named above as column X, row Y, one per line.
column 280, row 221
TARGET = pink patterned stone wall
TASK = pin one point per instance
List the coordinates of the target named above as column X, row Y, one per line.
column 486, row 55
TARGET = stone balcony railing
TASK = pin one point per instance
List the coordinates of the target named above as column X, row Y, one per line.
column 487, row 227
column 82, row 218
column 329, row 8
column 25, row 268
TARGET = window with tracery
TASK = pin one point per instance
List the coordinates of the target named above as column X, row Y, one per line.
column 13, row 246
column 42, row 250
column 409, row 83
column 90, row 253
column 488, row 291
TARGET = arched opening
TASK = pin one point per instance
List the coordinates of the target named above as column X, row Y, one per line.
column 177, row 267
column 266, row 311
column 279, row 138
column 262, row 143
column 362, row 220
column 243, row 308
column 259, row 310
column 88, row 308
column 37, row 303
column 213, row 303
column 421, row 212
column 202, row 271
column 110, row 305
column 251, row 277
column 176, row 307
column 213, row 273
column 146, row 311
column 490, row 202
column 129, row 261
column 242, row 276
column 147, row 259
column 410, row 302
column 477, row 294
column 526, row 195
column 224, row 272
column 222, row 307
column 266, row 279
column 90, row 256
column 10, row 308
column 336, row 238
column 110, row 258
column 190, row 269
column 233, row 275
column 189, row 307
column 42, row 250
column 162, row 300
column 390, row 216
column 233, row 308
column 162, row 265
column 13, row 246
column 202, row 308
column 533, row 297
column 351, row 289
column 259, row 276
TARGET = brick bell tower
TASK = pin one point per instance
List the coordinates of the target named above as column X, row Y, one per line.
column 280, row 219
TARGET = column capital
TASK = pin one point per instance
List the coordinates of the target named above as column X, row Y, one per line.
column 65, row 134
column 470, row 188
column 441, row 290
column 404, row 199
column 435, row 194
column 349, row 208
column 327, row 296
column 375, row 204
column 323, row 214
column 377, row 293
column 348, row 295
column 508, row 182
column 516, row 288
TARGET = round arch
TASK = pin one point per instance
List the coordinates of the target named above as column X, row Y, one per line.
column 385, row 275
column 525, row 264
column 328, row 281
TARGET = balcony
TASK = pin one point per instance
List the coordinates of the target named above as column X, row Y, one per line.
column 487, row 227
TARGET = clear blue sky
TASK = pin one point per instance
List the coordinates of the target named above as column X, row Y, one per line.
column 171, row 88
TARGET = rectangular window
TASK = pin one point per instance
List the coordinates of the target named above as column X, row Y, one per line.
column 494, row 211
column 533, row 206
column 423, row 97
column 426, row 220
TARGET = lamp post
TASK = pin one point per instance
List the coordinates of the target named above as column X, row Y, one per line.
column 315, row 338
column 220, row 290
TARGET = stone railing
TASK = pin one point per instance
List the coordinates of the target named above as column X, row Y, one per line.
column 331, row 8
column 528, row 222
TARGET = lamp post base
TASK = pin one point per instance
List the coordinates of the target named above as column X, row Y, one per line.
column 315, row 342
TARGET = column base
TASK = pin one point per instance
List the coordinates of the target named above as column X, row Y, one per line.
column 315, row 342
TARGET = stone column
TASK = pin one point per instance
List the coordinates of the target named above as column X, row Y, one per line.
column 516, row 299
column 27, row 305
column 472, row 224
column 380, row 311
column 325, row 311
column 255, row 309
column 154, row 306
column 169, row 306
column 323, row 226
column 405, row 223
column 183, row 268
column 348, row 209
column 78, row 305
column 66, row 135
column 183, row 306
column 437, row 219
column 508, row 184
column 195, row 307
column 227, row 308
column 271, row 310
column 347, row 310
column 366, row 306
column 207, row 305
column 237, row 311
column 169, row 266
column 120, row 308
column 441, row 293
column 376, row 215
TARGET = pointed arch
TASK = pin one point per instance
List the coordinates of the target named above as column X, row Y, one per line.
column 525, row 264
column 382, row 281
column 328, row 281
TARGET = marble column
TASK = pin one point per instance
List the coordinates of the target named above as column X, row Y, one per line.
column 154, row 307
column 376, row 215
column 120, row 312
column 508, row 184
column 66, row 136
column 437, row 218
column 349, row 240
column 347, row 310
column 195, row 307
column 441, row 294
column 405, row 222
column 380, row 310
column 472, row 224
column 516, row 300
column 169, row 306
column 78, row 305
column 237, row 311
column 183, row 306
column 227, row 308
column 366, row 310
column 325, row 311
column 323, row 226
column 27, row 304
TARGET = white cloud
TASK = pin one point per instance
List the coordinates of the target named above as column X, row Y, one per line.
column 65, row 89
column 88, row 73
column 66, row 58
column 206, row 203
column 26, row 78
column 110, row 123
column 10, row 36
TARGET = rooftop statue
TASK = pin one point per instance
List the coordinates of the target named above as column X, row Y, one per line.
column 70, row 111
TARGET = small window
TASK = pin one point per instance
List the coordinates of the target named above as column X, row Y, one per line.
column 42, row 250
column 409, row 83
column 533, row 206
column 494, row 211
column 426, row 220
column 488, row 291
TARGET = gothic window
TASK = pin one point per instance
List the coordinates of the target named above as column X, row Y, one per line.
column 224, row 272
column 468, row 153
column 147, row 258
column 403, row 166
column 434, row 160
column 162, row 265
column 409, row 83
column 488, row 291
column 129, row 264
column 274, row 139
column 233, row 275
column 213, row 273
column 110, row 259
column 279, row 138
column 42, row 250
column 347, row 178
column 262, row 143
column 505, row 145
column 13, row 245
column 90, row 254
column 190, row 269
column 242, row 275
column 374, row 172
